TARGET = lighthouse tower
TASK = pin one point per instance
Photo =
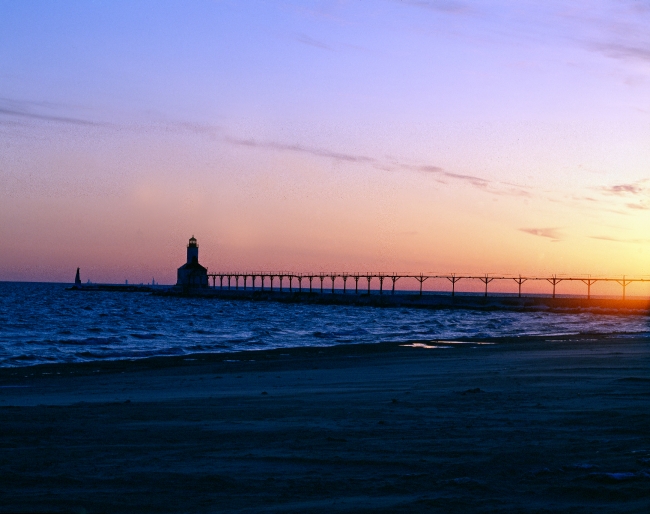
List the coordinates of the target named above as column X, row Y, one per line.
column 192, row 251
column 192, row 275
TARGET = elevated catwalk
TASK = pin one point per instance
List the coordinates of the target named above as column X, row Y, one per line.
column 316, row 282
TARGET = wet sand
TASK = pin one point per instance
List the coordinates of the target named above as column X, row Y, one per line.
column 535, row 425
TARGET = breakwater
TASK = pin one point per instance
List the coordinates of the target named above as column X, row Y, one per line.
column 124, row 288
column 427, row 301
column 410, row 299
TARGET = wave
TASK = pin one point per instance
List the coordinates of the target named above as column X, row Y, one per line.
column 135, row 326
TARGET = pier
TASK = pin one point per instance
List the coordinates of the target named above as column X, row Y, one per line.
column 361, row 283
column 380, row 288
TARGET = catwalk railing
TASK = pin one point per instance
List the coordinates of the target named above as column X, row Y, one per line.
column 232, row 281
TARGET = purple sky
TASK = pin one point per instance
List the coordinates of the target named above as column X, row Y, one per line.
column 449, row 136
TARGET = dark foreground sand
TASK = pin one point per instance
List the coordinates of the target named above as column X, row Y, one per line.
column 530, row 425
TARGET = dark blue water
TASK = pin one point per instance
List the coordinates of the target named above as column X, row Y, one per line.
column 45, row 323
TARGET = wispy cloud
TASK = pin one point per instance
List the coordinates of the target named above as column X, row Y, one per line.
column 201, row 129
column 606, row 238
column 478, row 182
column 620, row 240
column 40, row 111
column 632, row 189
column 45, row 117
column 625, row 199
column 622, row 31
column 309, row 41
column 475, row 181
column 362, row 159
column 638, row 206
column 615, row 29
column 444, row 176
column 550, row 233
column 623, row 51
column 445, row 6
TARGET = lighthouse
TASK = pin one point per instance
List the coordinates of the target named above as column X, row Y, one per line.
column 192, row 274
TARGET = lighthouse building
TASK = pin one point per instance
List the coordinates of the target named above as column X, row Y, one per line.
column 192, row 274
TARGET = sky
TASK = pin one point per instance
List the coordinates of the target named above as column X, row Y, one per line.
column 431, row 136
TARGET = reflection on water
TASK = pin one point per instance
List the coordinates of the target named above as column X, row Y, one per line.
column 46, row 323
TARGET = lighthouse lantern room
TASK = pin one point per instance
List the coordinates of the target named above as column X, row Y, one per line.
column 192, row 250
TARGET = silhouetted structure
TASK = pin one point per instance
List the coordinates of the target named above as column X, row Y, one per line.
column 231, row 280
column 77, row 279
column 192, row 274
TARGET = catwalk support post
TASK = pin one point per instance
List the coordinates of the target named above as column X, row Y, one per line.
column 624, row 283
column 554, row 280
column 421, row 278
column 589, row 282
column 519, row 281
column 453, row 279
column 486, row 280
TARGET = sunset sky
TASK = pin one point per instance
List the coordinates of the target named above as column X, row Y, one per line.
column 423, row 136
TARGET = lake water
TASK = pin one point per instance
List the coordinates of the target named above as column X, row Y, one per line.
column 45, row 323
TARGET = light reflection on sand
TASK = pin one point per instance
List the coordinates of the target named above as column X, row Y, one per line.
column 424, row 345
column 462, row 342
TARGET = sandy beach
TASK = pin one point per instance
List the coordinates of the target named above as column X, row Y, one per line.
column 536, row 425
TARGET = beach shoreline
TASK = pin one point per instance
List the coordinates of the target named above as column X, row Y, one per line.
column 556, row 424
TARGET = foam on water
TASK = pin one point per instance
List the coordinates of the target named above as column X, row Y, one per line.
column 45, row 323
